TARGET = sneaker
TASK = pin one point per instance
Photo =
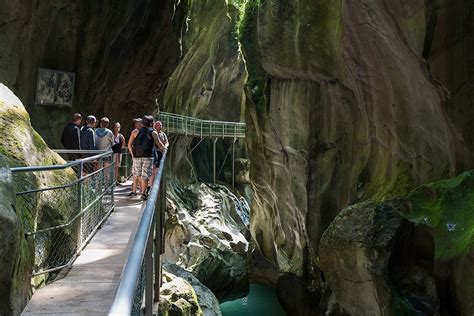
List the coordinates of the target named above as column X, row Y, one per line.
column 132, row 194
column 144, row 197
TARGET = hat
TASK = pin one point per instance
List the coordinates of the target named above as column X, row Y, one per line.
column 147, row 120
column 138, row 119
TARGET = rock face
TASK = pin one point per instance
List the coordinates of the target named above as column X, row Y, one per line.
column 342, row 107
column 409, row 255
column 122, row 54
column 9, row 242
column 21, row 146
column 205, row 229
column 207, row 301
column 208, row 82
column 177, row 297
column 354, row 255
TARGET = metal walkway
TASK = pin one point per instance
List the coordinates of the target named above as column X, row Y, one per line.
column 88, row 288
column 190, row 126
column 103, row 249
column 215, row 130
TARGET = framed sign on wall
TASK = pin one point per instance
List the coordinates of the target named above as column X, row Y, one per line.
column 55, row 87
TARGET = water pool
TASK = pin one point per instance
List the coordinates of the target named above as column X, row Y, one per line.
column 260, row 301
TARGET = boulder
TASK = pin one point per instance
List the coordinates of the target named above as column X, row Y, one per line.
column 354, row 254
column 177, row 297
column 21, row 145
column 205, row 234
column 408, row 255
column 10, row 301
column 445, row 209
column 206, row 299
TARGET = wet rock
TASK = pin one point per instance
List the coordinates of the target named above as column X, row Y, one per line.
column 177, row 297
column 205, row 234
column 444, row 210
column 296, row 297
column 354, row 255
column 463, row 281
column 206, row 299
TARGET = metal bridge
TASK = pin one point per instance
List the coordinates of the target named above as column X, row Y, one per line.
column 190, row 126
column 103, row 252
column 198, row 128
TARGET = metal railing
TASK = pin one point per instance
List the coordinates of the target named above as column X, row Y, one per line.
column 189, row 126
column 142, row 272
column 63, row 205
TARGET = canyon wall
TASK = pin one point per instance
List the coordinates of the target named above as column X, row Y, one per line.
column 122, row 55
column 343, row 106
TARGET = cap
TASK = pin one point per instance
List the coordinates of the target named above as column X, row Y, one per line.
column 147, row 120
column 138, row 119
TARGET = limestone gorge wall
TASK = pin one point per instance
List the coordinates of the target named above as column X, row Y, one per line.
column 345, row 101
column 122, row 54
column 348, row 101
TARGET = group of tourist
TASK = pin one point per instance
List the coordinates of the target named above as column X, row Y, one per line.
column 146, row 145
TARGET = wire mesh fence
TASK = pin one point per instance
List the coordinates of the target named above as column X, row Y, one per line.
column 63, row 206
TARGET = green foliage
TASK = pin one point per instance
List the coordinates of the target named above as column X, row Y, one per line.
column 448, row 208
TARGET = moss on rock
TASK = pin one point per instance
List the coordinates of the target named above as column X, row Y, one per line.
column 447, row 207
column 22, row 146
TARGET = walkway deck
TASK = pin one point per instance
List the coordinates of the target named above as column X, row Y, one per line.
column 89, row 287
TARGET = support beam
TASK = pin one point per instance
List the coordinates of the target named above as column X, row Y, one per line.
column 214, row 141
column 233, row 162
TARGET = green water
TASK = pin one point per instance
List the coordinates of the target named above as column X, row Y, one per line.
column 260, row 301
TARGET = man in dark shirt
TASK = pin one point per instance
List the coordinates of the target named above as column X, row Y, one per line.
column 71, row 138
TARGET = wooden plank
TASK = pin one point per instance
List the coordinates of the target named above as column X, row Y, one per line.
column 89, row 286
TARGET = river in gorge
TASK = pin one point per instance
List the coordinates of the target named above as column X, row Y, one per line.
column 261, row 300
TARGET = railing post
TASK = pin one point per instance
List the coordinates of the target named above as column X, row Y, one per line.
column 80, row 202
column 214, row 159
column 149, row 274
column 113, row 177
column 233, row 162
column 159, row 236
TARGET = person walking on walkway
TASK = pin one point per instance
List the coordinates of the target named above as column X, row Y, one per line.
column 140, row 146
column 71, row 137
column 137, row 124
column 119, row 144
column 158, row 150
column 105, row 137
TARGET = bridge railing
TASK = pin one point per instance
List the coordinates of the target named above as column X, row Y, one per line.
column 63, row 205
column 189, row 126
column 142, row 273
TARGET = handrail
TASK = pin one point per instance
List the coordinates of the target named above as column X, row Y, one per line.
column 90, row 191
column 102, row 153
column 190, row 126
column 123, row 300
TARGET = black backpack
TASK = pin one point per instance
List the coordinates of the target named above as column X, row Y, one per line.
column 143, row 143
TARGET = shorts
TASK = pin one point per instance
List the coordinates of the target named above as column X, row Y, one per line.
column 142, row 167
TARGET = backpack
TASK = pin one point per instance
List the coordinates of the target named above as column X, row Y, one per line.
column 143, row 143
